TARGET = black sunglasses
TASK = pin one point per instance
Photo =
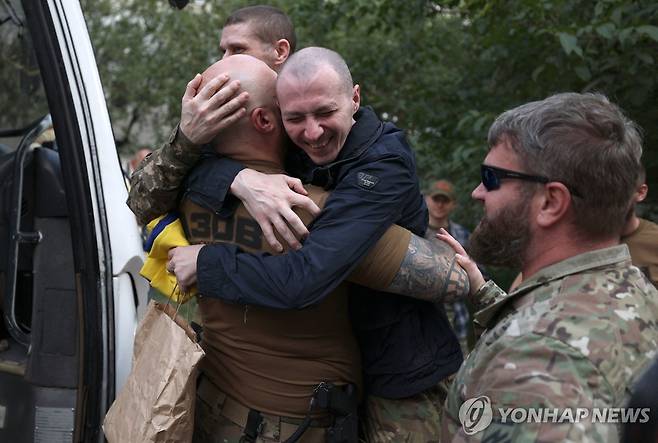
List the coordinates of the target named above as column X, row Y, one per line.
column 491, row 177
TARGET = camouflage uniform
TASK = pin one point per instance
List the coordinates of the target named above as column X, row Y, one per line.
column 576, row 334
column 414, row 419
column 155, row 184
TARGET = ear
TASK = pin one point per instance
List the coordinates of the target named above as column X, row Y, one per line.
column 263, row 120
column 282, row 51
column 554, row 204
column 356, row 98
column 641, row 193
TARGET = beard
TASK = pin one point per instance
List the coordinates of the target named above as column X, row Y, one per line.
column 503, row 239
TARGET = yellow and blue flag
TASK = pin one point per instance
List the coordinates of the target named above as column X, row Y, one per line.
column 165, row 232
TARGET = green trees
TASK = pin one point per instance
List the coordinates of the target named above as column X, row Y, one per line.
column 529, row 49
column 442, row 70
column 146, row 53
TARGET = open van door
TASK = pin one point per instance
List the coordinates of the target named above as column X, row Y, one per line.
column 70, row 248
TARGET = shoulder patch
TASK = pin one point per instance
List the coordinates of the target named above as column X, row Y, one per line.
column 366, row 181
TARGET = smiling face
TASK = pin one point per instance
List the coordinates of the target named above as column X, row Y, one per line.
column 239, row 38
column 318, row 112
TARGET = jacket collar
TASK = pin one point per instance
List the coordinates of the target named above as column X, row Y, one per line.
column 365, row 131
column 557, row 271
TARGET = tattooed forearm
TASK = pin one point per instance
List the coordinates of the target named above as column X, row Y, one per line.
column 430, row 272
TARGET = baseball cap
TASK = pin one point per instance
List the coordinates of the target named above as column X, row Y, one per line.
column 441, row 187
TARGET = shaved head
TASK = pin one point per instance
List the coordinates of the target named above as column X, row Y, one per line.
column 258, row 134
column 307, row 62
column 318, row 101
column 255, row 77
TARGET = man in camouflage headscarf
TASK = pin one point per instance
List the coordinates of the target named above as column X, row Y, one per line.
column 556, row 186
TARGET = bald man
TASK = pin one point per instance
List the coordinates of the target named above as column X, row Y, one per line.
column 408, row 347
column 264, row 32
column 266, row 363
column 261, row 363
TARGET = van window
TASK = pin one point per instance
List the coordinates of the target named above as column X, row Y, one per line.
column 22, row 94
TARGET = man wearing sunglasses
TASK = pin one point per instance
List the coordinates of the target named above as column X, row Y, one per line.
column 557, row 184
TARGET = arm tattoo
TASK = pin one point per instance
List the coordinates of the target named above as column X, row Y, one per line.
column 430, row 272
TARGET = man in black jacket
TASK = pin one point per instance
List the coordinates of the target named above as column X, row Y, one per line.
column 407, row 345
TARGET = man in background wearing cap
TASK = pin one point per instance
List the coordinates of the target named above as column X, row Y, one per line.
column 441, row 201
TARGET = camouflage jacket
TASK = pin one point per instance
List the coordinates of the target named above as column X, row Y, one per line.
column 574, row 335
column 155, row 186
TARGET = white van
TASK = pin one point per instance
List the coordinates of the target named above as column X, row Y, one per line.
column 70, row 248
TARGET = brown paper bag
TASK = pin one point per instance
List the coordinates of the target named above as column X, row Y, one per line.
column 157, row 402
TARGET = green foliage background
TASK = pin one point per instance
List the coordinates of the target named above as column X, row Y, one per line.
column 442, row 70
